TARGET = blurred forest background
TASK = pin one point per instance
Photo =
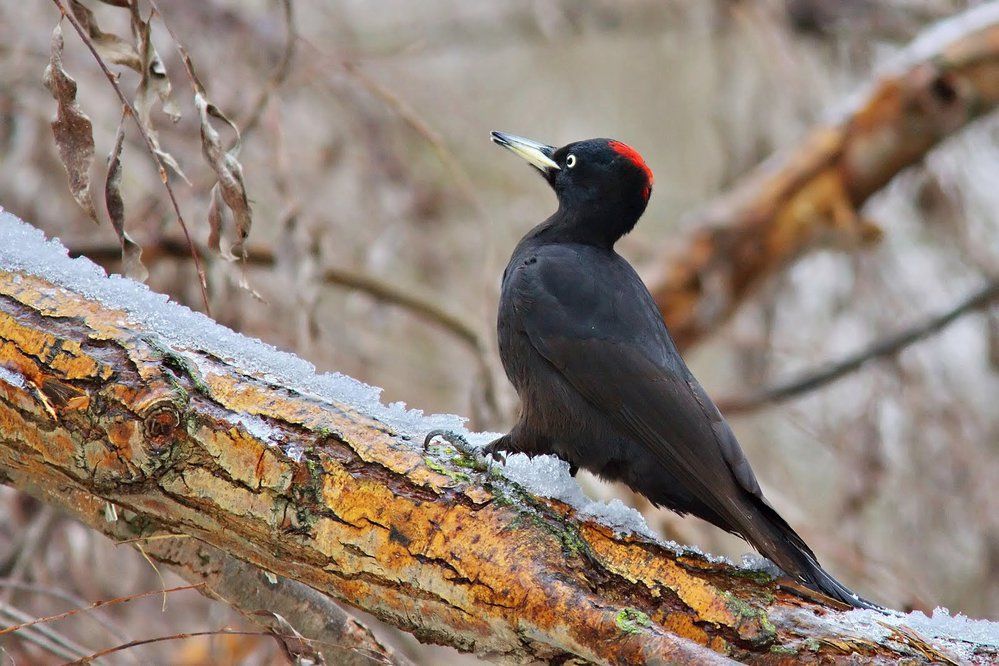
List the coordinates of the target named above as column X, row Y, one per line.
column 367, row 161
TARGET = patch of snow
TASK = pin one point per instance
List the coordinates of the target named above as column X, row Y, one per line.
column 545, row 476
column 10, row 377
column 948, row 30
column 922, row 48
column 294, row 451
column 548, row 476
column 952, row 634
column 941, row 625
column 756, row 562
column 256, row 427
column 618, row 515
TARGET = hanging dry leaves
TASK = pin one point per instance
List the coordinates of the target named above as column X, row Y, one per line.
column 154, row 84
column 111, row 47
column 131, row 253
column 74, row 133
column 228, row 197
column 154, row 74
column 229, row 213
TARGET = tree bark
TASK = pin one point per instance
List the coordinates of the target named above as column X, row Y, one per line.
column 96, row 408
column 810, row 196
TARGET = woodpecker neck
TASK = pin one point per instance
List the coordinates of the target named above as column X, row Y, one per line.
column 599, row 225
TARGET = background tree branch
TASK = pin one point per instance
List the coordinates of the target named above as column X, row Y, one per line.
column 810, row 196
column 889, row 346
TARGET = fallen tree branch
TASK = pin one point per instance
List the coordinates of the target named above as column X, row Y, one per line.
column 810, row 196
column 813, row 379
column 108, row 393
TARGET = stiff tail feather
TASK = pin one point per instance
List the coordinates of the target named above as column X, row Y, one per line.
column 789, row 551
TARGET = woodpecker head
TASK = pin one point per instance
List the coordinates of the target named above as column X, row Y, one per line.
column 601, row 184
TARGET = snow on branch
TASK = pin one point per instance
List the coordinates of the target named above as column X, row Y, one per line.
column 110, row 393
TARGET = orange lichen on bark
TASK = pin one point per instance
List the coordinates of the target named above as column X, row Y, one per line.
column 810, row 196
column 434, row 542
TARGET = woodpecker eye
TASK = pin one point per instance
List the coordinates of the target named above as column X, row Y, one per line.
column 570, row 161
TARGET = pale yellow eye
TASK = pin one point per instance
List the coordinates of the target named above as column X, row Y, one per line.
column 570, row 161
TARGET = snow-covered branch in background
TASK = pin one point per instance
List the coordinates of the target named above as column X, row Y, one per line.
column 810, row 196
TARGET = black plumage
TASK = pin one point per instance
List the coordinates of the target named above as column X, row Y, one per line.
column 601, row 382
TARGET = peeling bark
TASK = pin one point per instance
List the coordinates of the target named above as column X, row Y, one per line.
column 95, row 409
column 810, row 196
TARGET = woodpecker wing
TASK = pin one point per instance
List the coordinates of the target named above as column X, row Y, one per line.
column 590, row 316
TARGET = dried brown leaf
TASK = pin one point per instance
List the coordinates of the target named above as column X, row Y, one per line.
column 111, row 47
column 131, row 253
column 230, row 187
column 72, row 128
column 153, row 85
column 154, row 74
column 216, row 219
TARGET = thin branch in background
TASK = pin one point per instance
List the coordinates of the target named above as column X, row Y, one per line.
column 195, row 634
column 150, row 144
column 422, row 306
column 411, row 118
column 102, row 619
column 811, row 380
column 185, row 57
column 487, row 377
column 32, row 539
column 280, row 73
column 44, row 637
column 97, row 604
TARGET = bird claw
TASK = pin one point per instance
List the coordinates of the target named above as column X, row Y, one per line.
column 490, row 454
column 454, row 439
column 495, row 452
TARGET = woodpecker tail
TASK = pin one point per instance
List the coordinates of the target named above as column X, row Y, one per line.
column 776, row 540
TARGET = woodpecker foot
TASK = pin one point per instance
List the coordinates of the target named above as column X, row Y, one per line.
column 498, row 449
column 454, row 439
column 481, row 460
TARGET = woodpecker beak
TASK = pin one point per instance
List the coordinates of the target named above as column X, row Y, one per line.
column 537, row 154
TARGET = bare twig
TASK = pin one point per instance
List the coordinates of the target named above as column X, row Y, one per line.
column 150, row 144
column 279, row 604
column 423, row 306
column 813, row 379
column 159, row 639
column 194, row 634
column 100, row 618
column 96, row 604
column 44, row 637
column 409, row 116
column 280, row 73
column 185, row 57
column 36, row 534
